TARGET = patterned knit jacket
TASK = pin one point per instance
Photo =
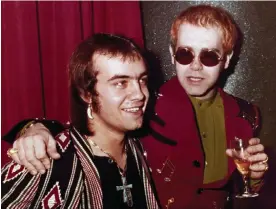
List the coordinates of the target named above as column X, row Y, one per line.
column 71, row 182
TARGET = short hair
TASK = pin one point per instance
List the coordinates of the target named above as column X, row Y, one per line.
column 207, row 16
column 82, row 74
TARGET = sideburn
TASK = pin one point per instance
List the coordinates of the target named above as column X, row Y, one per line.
column 96, row 104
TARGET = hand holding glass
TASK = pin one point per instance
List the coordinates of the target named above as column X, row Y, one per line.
column 241, row 160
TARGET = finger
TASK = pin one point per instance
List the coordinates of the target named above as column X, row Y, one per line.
column 46, row 162
column 23, row 160
column 232, row 153
column 254, row 141
column 52, row 148
column 40, row 153
column 258, row 167
column 15, row 156
column 257, row 157
column 29, row 150
column 229, row 152
column 252, row 149
column 256, row 175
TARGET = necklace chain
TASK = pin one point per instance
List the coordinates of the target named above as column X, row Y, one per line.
column 127, row 196
column 111, row 158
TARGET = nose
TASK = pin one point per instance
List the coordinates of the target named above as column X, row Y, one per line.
column 137, row 92
column 196, row 65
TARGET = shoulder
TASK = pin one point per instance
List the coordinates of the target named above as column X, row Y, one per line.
column 172, row 111
column 245, row 110
column 171, row 96
column 18, row 185
column 172, row 88
column 63, row 140
column 245, row 105
column 242, row 104
column 11, row 171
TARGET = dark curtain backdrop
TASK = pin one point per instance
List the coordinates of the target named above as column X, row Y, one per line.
column 37, row 41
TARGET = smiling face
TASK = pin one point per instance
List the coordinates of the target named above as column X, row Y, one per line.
column 199, row 80
column 123, row 93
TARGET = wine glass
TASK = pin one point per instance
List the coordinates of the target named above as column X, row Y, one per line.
column 241, row 160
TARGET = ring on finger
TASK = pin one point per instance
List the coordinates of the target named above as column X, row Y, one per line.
column 265, row 160
column 12, row 151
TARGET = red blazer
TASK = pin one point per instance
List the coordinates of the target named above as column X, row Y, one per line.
column 175, row 137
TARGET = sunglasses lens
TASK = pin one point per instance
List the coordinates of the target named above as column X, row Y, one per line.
column 184, row 56
column 209, row 58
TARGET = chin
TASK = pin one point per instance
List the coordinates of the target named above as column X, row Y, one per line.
column 197, row 90
column 197, row 93
column 137, row 126
column 132, row 126
column 204, row 94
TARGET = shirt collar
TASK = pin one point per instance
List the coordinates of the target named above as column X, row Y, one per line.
column 205, row 103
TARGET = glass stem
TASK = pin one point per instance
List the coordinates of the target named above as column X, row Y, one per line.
column 246, row 184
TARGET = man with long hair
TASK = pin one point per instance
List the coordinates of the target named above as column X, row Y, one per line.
column 101, row 166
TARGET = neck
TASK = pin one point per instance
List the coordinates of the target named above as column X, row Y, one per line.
column 109, row 140
column 210, row 94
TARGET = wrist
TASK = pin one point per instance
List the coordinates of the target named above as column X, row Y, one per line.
column 25, row 128
column 30, row 125
column 256, row 184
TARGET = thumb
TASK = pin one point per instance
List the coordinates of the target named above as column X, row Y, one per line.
column 229, row 152
column 52, row 148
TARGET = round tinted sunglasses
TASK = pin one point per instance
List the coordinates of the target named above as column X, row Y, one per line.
column 209, row 58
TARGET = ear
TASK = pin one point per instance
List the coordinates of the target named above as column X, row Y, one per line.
column 228, row 58
column 172, row 54
column 86, row 96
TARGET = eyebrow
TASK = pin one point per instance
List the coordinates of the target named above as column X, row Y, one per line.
column 126, row 76
column 212, row 49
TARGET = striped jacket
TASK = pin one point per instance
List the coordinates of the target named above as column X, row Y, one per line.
column 71, row 182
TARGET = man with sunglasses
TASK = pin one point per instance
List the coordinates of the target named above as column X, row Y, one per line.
column 194, row 120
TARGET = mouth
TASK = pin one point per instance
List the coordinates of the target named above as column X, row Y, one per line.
column 137, row 111
column 194, row 79
column 133, row 109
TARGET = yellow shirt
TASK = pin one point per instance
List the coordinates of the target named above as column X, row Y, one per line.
column 211, row 123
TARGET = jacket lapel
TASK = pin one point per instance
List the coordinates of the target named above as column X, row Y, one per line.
column 231, row 111
column 92, row 177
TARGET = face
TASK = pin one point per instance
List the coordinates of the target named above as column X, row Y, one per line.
column 123, row 93
column 197, row 79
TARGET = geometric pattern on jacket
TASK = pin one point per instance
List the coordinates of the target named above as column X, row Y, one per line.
column 71, row 182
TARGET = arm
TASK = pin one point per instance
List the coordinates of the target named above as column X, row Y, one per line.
column 33, row 140
column 53, row 126
column 20, row 189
